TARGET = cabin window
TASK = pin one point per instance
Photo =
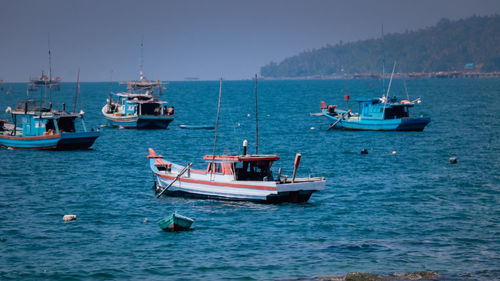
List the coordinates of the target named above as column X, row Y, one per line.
column 150, row 109
column 218, row 168
column 66, row 124
column 50, row 125
column 396, row 112
column 254, row 170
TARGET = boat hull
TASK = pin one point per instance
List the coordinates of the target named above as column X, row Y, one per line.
column 400, row 124
column 64, row 141
column 138, row 122
column 141, row 122
column 175, row 222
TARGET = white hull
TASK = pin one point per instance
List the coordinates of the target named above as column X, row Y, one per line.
column 219, row 186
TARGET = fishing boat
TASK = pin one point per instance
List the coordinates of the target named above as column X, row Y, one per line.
column 138, row 108
column 376, row 114
column 233, row 177
column 175, row 222
column 45, row 81
column 45, row 128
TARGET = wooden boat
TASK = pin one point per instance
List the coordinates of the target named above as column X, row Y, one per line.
column 175, row 222
column 137, row 111
column 197, row 127
column 376, row 115
column 232, row 177
column 45, row 128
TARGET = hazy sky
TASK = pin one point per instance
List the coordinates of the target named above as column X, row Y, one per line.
column 195, row 38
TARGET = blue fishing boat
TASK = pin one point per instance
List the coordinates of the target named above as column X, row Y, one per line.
column 36, row 127
column 377, row 114
column 139, row 107
column 175, row 222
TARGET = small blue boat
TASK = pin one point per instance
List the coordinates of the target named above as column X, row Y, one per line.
column 138, row 108
column 45, row 128
column 175, row 222
column 377, row 114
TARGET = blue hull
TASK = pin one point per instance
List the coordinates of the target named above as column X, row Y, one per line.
column 65, row 141
column 399, row 124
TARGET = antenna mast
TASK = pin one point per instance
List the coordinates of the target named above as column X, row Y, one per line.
column 216, row 127
column 50, row 71
column 142, row 58
column 256, row 120
column 77, row 86
column 383, row 60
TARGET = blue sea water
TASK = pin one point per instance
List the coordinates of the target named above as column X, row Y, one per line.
column 379, row 213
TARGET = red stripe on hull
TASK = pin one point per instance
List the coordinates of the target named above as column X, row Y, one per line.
column 219, row 184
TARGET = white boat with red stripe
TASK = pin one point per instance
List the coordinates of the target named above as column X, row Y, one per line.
column 233, row 177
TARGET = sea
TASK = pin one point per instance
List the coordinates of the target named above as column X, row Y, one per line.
column 400, row 208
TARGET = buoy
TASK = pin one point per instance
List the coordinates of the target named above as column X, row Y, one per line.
column 312, row 128
column 393, row 153
column 248, row 115
column 364, row 151
column 145, row 220
column 69, row 217
column 245, row 144
column 453, row 160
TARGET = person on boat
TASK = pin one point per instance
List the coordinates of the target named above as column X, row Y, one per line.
column 331, row 110
column 170, row 111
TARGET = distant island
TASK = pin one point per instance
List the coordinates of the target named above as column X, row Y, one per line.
column 462, row 48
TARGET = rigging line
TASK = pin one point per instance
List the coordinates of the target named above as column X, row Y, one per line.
column 388, row 89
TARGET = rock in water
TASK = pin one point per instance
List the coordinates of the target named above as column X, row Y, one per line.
column 360, row 276
column 69, row 217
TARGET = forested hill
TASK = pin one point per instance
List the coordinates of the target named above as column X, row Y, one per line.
column 448, row 45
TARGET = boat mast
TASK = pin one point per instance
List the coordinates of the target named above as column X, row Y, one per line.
column 142, row 59
column 256, row 120
column 77, row 86
column 388, row 89
column 50, row 71
column 383, row 60
column 212, row 168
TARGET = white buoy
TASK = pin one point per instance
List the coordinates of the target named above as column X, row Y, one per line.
column 69, row 217
column 248, row 115
column 393, row 153
column 312, row 128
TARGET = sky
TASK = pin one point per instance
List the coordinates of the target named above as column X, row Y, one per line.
column 207, row 39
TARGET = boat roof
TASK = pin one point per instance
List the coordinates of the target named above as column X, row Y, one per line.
column 141, row 98
column 390, row 103
column 242, row 158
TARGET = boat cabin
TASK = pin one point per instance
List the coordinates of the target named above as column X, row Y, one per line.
column 36, row 122
column 139, row 104
column 377, row 109
column 242, row 167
